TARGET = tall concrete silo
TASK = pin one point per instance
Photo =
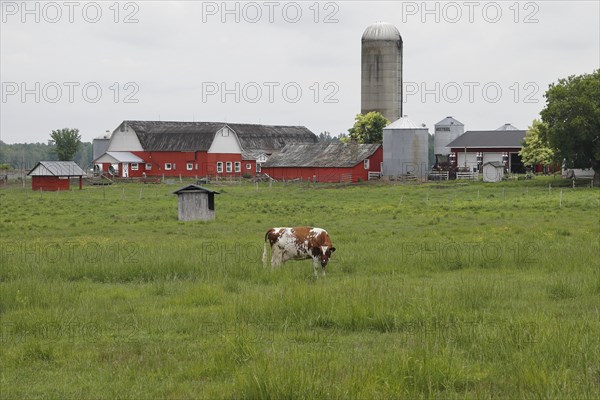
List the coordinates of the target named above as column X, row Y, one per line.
column 405, row 149
column 100, row 145
column 446, row 131
column 381, row 76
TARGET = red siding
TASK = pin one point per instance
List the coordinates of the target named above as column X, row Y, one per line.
column 358, row 172
column 49, row 183
column 202, row 164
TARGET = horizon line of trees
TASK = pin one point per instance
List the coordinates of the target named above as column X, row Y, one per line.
column 24, row 156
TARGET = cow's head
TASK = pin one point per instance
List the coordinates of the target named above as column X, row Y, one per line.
column 326, row 252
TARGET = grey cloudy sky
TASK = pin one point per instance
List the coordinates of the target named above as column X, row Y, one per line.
column 91, row 65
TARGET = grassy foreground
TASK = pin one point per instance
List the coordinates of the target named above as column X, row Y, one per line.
column 449, row 290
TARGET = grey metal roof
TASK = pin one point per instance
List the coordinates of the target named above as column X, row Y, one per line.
column 333, row 155
column 404, row 123
column 198, row 136
column 381, row 31
column 489, row 139
column 450, row 121
column 194, row 188
column 507, row 127
column 496, row 164
column 56, row 168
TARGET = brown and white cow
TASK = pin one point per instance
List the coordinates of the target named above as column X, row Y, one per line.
column 298, row 243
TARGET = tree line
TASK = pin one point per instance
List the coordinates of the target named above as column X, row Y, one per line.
column 24, row 156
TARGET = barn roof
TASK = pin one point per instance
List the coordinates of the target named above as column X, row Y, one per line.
column 198, row 136
column 56, row 168
column 333, row 155
column 499, row 139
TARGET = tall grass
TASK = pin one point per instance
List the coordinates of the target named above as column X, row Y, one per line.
column 438, row 290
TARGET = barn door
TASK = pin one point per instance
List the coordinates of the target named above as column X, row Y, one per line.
column 125, row 170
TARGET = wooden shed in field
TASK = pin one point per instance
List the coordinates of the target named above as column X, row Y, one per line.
column 493, row 171
column 196, row 203
column 55, row 175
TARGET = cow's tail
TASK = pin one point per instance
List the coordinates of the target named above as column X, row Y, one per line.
column 264, row 257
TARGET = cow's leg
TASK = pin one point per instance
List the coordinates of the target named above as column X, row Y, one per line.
column 323, row 270
column 264, row 257
column 316, row 266
column 276, row 257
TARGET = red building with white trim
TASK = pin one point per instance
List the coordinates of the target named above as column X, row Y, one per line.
column 325, row 162
column 55, row 175
column 192, row 149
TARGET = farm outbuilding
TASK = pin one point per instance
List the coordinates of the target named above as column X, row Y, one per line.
column 405, row 149
column 493, row 171
column 55, row 175
column 325, row 162
column 474, row 148
column 192, row 149
column 195, row 203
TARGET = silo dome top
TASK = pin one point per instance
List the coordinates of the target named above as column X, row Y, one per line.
column 404, row 123
column 381, row 31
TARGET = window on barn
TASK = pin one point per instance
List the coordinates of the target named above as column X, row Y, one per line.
column 366, row 163
column 228, row 166
column 237, row 166
column 148, row 166
column 189, row 166
column 248, row 166
column 134, row 166
column 168, row 166
column 219, row 167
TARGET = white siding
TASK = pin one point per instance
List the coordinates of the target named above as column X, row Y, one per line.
column 124, row 140
column 225, row 141
column 471, row 160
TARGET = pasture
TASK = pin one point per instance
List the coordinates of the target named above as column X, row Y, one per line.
column 441, row 290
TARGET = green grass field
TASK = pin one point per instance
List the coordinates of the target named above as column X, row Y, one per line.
column 441, row 290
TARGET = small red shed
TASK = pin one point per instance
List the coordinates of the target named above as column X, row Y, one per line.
column 55, row 175
column 326, row 162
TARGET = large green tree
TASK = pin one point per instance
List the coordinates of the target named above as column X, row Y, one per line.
column 368, row 128
column 535, row 150
column 572, row 114
column 66, row 142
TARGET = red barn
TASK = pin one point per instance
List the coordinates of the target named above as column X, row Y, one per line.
column 162, row 148
column 54, row 175
column 327, row 162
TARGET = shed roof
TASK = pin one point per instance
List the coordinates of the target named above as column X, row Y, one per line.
column 489, row 139
column 194, row 188
column 56, row 168
column 333, row 155
column 198, row 136
column 496, row 164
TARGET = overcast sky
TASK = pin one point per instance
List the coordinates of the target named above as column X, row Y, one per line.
column 91, row 65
